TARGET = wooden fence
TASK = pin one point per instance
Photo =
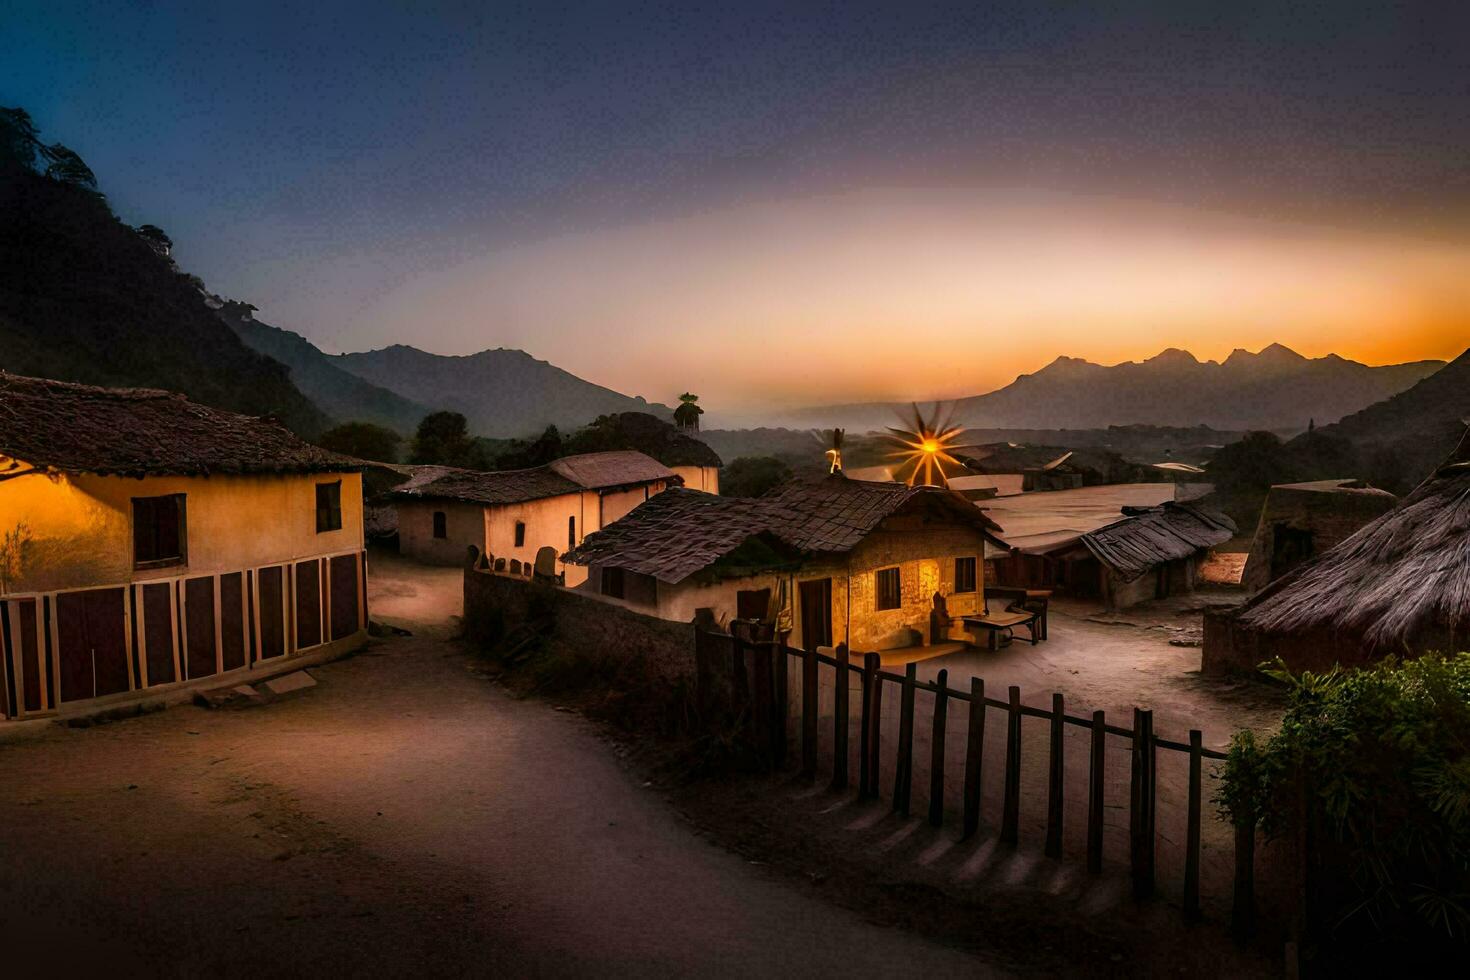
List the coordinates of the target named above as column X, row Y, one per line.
column 758, row 695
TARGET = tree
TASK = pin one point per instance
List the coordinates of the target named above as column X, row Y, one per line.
column 362, row 440
column 686, row 416
column 525, row 453
column 156, row 239
column 752, row 476
column 65, row 166
column 443, row 438
column 18, row 140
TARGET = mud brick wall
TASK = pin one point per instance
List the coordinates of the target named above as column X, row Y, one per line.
column 495, row 603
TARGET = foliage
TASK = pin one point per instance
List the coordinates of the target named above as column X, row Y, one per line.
column 1373, row 767
column 364, row 440
column 158, row 240
column 443, row 438
column 688, row 412
column 524, row 453
column 15, row 552
column 752, row 476
column 20, row 145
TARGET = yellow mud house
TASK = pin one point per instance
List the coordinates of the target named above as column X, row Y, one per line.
column 858, row 562
column 149, row 543
column 510, row 515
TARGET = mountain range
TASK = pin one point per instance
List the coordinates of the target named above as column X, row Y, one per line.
column 1275, row 389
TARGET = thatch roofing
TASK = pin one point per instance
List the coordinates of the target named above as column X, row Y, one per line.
column 1401, row 575
column 571, row 474
column 136, row 432
column 680, row 532
column 1171, row 531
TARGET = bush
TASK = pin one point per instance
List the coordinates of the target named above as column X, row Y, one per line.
column 1371, row 768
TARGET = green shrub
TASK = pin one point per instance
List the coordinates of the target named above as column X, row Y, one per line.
column 1373, row 767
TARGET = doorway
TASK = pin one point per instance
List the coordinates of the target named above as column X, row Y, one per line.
column 816, row 613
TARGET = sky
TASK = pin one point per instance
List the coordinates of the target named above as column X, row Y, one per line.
column 786, row 204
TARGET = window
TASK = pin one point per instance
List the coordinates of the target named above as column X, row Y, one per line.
column 612, row 582
column 520, row 534
column 571, row 532
column 964, row 575
column 329, row 506
column 890, row 596
column 441, row 525
column 159, row 537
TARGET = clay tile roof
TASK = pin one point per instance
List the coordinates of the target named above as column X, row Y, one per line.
column 621, row 468
column 1170, row 531
column 571, row 474
column 679, row 532
column 138, row 432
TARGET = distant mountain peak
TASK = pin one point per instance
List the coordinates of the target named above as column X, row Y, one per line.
column 1172, row 356
column 1271, row 354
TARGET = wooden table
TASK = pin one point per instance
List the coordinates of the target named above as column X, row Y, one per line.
column 998, row 623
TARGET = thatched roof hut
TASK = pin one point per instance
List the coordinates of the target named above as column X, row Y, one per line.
column 1400, row 585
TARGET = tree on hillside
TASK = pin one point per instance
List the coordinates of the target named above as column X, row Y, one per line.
column 686, row 416
column 64, row 165
column 20, row 145
column 524, row 453
column 443, row 438
column 751, row 476
column 362, row 440
column 156, row 239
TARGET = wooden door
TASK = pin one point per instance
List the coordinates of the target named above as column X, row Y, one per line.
column 232, row 620
column 816, row 613
column 308, row 604
column 158, row 633
column 91, row 644
column 200, row 658
column 343, row 599
column 270, row 584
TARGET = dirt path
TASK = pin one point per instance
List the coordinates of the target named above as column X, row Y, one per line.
column 402, row 817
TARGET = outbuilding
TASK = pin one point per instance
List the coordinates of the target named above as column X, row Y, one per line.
column 149, row 543
column 1299, row 520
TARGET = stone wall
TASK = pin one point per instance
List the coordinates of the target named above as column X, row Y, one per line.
column 1329, row 516
column 495, row 603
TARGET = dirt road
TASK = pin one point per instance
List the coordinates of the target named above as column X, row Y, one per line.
column 402, row 817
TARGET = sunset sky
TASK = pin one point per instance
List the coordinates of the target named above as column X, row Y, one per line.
column 770, row 205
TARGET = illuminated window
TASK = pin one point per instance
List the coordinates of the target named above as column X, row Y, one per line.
column 520, row 534
column 441, row 525
column 964, row 575
column 159, row 536
column 889, row 593
column 329, row 506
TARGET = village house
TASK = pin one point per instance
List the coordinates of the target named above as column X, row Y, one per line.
column 1299, row 520
column 1398, row 586
column 148, row 544
column 834, row 560
column 1149, row 553
column 512, row 514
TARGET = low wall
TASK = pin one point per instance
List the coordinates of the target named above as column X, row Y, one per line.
column 1231, row 648
column 495, row 603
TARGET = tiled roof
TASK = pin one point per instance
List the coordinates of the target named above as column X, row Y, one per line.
column 143, row 431
column 679, row 532
column 571, row 474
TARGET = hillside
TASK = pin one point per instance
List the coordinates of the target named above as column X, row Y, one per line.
column 500, row 392
column 338, row 392
column 1401, row 439
column 1275, row 389
column 84, row 298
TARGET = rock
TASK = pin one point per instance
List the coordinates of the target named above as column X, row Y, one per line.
column 239, row 696
column 298, row 680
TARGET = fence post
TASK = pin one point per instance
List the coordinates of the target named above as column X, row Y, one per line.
column 1191, row 840
column 875, row 745
column 702, row 679
column 761, row 704
column 1096, row 781
column 780, row 701
column 1054, row 781
column 809, row 714
column 903, row 769
column 974, row 756
column 1142, row 809
column 740, row 689
column 936, row 755
column 841, row 695
column 1010, row 822
column 868, row 746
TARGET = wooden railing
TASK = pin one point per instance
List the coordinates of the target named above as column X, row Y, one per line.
column 762, row 700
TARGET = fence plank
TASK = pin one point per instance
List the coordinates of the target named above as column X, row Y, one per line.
column 936, row 755
column 740, row 696
column 780, row 681
column 1010, row 823
column 868, row 739
column 1142, row 804
column 974, row 756
column 841, row 697
column 1191, row 843
column 761, row 701
column 1097, row 778
column 903, row 769
column 1054, row 781
column 809, row 714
